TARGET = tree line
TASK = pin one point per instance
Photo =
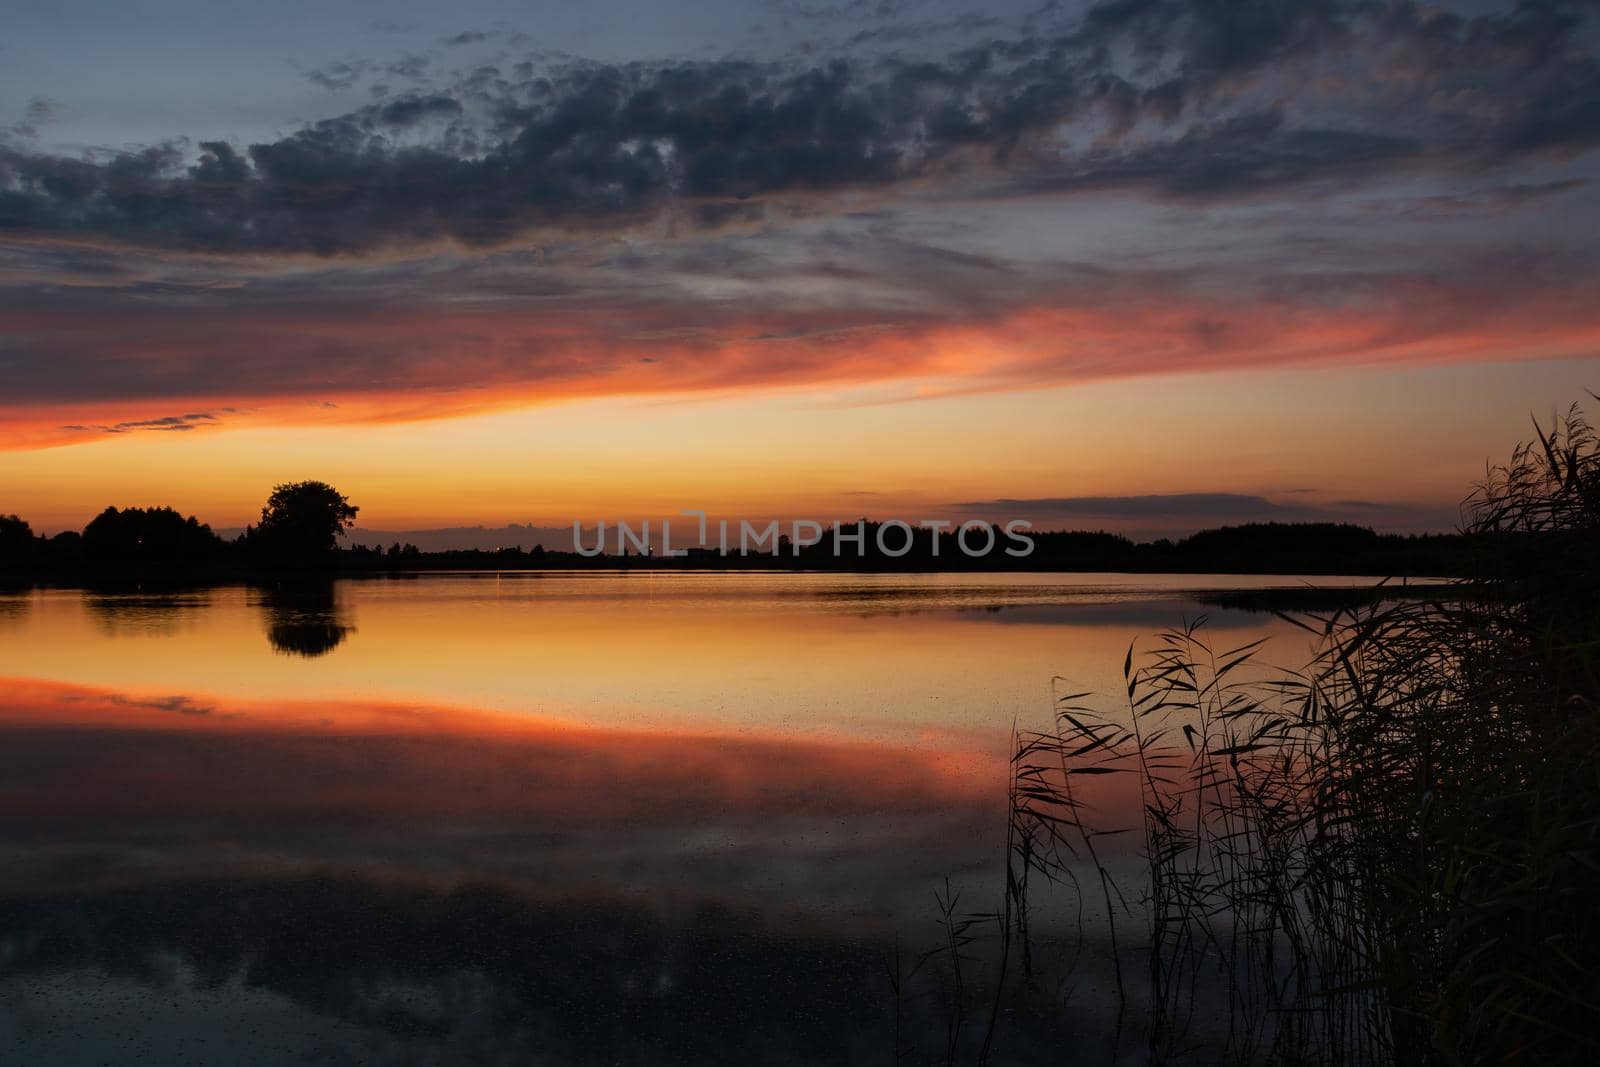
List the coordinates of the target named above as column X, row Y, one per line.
column 303, row 525
column 301, row 522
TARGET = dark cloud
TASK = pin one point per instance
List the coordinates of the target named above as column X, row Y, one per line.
column 345, row 74
column 1235, row 156
column 1184, row 98
column 1160, row 505
column 413, row 67
column 1175, row 512
column 1493, row 201
column 182, row 705
column 337, row 76
column 165, row 424
column 408, row 110
column 38, row 112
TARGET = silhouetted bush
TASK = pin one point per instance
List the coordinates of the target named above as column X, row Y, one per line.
column 138, row 535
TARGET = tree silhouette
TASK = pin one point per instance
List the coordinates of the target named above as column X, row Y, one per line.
column 146, row 534
column 16, row 539
column 303, row 520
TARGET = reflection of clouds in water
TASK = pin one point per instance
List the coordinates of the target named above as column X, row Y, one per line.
column 305, row 618
column 126, row 783
column 637, row 897
column 84, row 1015
column 777, row 871
column 141, row 613
column 392, row 971
column 815, row 849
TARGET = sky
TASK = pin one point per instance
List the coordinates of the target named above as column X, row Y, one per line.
column 1145, row 265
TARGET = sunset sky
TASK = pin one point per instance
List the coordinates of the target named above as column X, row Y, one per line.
column 1146, row 265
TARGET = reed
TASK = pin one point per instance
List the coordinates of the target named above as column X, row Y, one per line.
column 1386, row 856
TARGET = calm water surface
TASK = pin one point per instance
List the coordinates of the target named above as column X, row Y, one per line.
column 506, row 818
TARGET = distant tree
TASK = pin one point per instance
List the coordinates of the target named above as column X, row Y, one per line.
column 303, row 520
column 16, row 539
column 148, row 535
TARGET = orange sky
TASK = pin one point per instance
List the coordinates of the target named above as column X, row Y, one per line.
column 1310, row 436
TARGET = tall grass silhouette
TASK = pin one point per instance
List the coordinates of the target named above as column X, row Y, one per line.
column 1384, row 857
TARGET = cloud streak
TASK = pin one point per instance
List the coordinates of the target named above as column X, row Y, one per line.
column 116, row 365
column 162, row 424
column 1153, row 505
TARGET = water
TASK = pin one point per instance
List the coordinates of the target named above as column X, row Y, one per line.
column 574, row 817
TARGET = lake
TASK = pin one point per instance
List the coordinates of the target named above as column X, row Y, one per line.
column 568, row 817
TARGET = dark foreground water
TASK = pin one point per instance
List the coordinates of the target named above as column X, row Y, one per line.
column 552, row 818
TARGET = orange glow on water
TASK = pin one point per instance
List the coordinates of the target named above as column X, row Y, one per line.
column 342, row 756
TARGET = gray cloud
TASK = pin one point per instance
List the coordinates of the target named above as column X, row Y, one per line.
column 38, row 112
column 1182, row 512
column 182, row 705
column 1184, row 98
column 165, row 424
column 337, row 76
column 1233, row 157
column 1158, row 505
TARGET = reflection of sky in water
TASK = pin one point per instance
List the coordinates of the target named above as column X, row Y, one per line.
column 472, row 818
column 100, row 784
column 888, row 656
